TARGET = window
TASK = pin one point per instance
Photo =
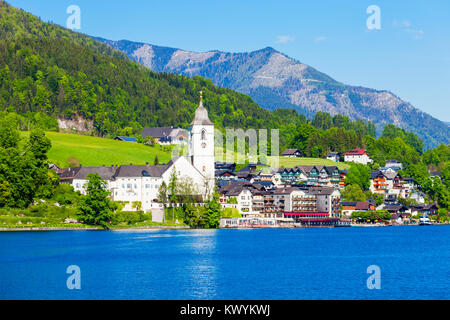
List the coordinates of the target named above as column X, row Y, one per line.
column 203, row 134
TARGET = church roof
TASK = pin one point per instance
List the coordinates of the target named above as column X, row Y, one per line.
column 201, row 115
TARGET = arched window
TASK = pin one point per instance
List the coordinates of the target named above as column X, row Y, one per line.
column 203, row 134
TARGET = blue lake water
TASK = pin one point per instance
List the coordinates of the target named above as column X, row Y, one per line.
column 323, row 263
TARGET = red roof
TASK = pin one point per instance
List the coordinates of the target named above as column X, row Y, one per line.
column 356, row 152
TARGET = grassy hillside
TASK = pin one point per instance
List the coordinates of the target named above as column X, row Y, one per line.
column 93, row 151
column 285, row 162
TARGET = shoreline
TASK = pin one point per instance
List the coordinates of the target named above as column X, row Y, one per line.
column 92, row 228
column 27, row 229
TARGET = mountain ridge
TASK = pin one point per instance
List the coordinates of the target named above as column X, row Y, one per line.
column 275, row 80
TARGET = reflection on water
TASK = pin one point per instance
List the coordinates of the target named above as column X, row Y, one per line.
column 227, row 264
column 202, row 270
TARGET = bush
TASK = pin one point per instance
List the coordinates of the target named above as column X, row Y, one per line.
column 65, row 195
column 231, row 213
column 130, row 217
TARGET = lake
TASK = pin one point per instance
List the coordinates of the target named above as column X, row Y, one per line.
column 322, row 263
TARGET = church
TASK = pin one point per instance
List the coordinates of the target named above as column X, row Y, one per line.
column 139, row 184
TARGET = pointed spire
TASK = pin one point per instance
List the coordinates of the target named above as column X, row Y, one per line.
column 201, row 114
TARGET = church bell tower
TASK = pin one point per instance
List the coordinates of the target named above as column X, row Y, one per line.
column 201, row 144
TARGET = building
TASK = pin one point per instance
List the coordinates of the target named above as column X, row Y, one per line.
column 333, row 156
column 77, row 177
column 428, row 209
column 327, row 200
column 127, row 139
column 394, row 164
column 358, row 156
column 349, row 207
column 140, row 183
column 166, row 135
column 291, row 153
column 378, row 182
column 201, row 145
column 241, row 194
column 317, row 176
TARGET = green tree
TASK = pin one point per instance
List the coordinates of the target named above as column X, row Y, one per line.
column 173, row 186
column 96, row 208
column 353, row 192
column 358, row 174
column 193, row 216
column 212, row 214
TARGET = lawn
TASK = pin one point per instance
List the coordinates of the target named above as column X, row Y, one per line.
column 94, row 151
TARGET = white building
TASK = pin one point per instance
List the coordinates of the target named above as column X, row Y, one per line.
column 138, row 185
column 357, row 156
column 333, row 156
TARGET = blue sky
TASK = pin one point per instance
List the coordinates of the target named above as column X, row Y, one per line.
column 409, row 55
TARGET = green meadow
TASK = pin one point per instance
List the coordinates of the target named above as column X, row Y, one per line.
column 94, row 151
column 285, row 162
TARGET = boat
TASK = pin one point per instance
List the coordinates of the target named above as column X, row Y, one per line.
column 424, row 221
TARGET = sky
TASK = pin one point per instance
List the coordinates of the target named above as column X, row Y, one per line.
column 407, row 53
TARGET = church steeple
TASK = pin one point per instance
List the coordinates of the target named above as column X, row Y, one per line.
column 201, row 144
column 201, row 115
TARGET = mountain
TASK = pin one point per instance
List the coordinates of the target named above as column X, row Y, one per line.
column 48, row 72
column 275, row 80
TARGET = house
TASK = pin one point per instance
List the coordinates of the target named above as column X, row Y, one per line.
column 343, row 175
column 127, row 139
column 324, row 176
column 166, row 135
column 333, row 156
column 349, row 207
column 225, row 165
column 397, row 209
column 242, row 192
column 225, row 174
column 429, row 209
column 77, row 177
column 292, row 153
column 55, row 168
column 378, row 182
column 293, row 176
column 435, row 173
column 399, row 212
column 357, row 156
column 394, row 164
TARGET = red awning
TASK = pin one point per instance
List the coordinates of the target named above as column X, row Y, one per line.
column 306, row 214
